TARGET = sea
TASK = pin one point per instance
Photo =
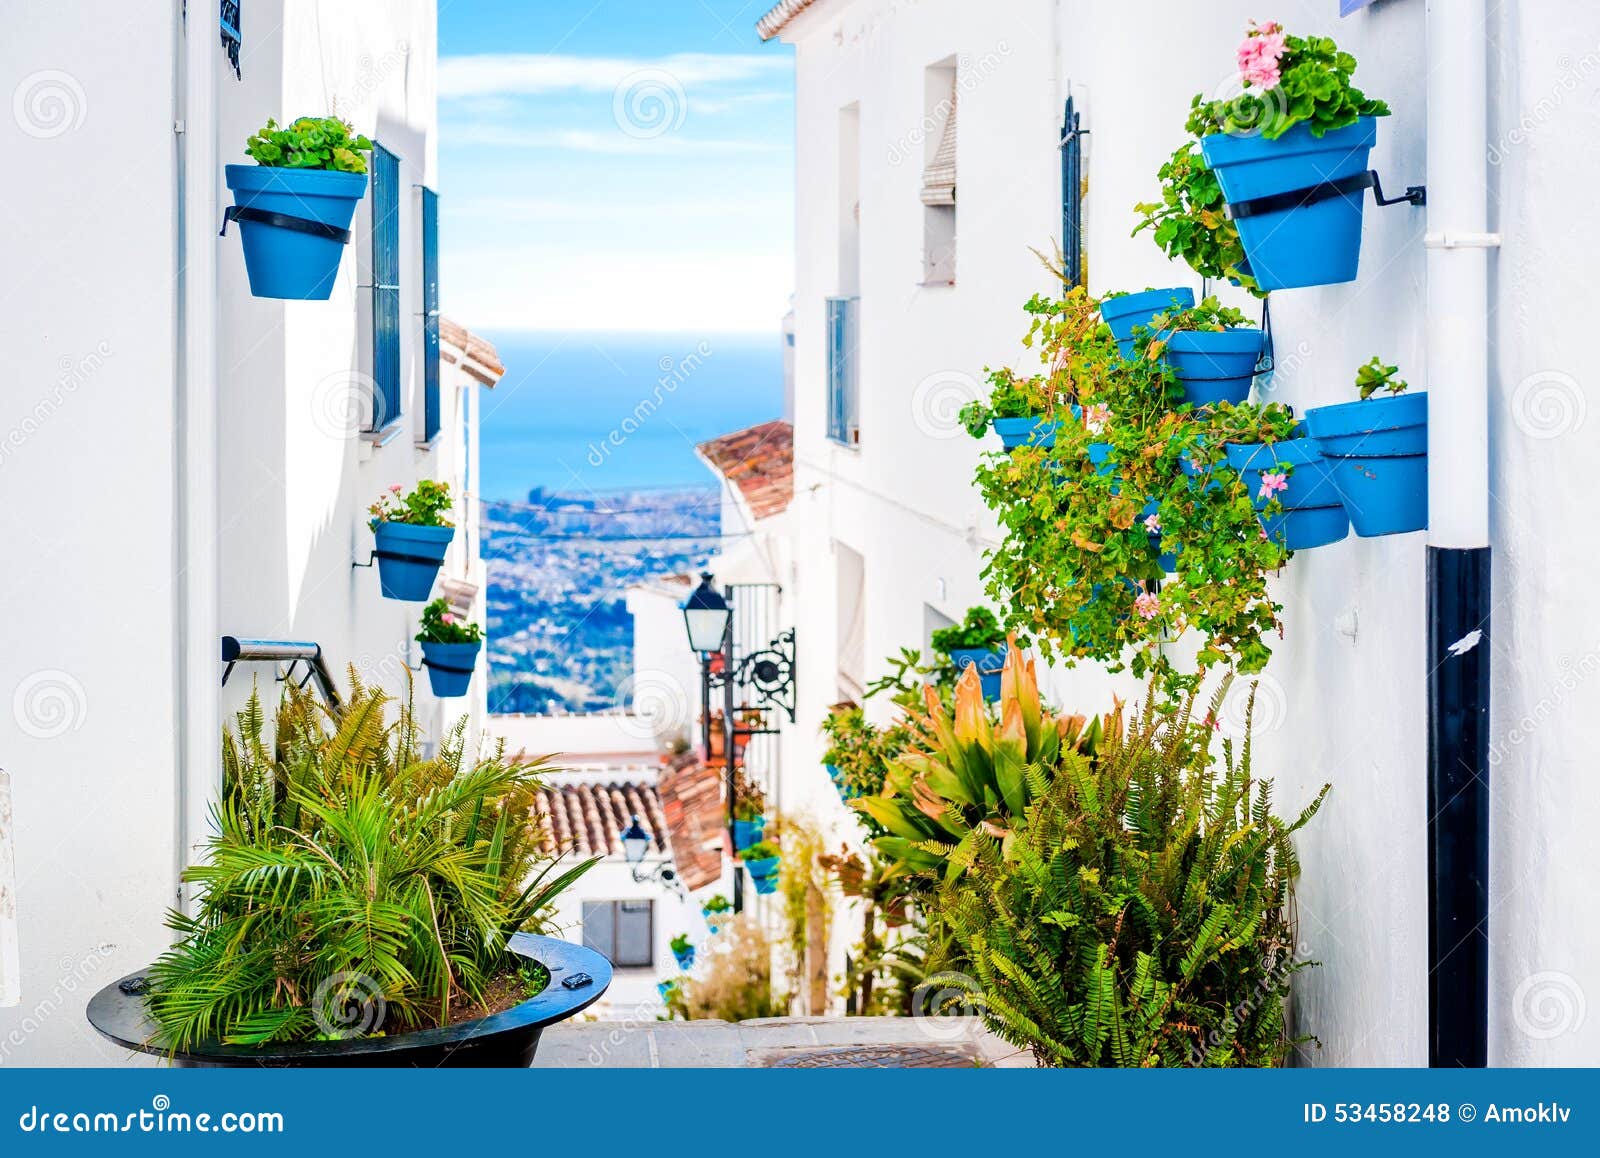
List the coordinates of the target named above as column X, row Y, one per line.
column 602, row 411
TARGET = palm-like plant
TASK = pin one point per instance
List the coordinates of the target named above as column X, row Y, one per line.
column 348, row 869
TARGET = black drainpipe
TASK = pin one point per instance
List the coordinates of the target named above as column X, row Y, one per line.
column 1458, row 806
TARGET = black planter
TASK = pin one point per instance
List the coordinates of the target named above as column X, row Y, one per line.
column 507, row 1039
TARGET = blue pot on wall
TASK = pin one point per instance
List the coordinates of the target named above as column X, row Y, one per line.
column 989, row 664
column 685, row 958
column 450, row 667
column 409, row 557
column 747, row 833
column 1123, row 313
column 1300, row 244
column 1376, row 452
column 1215, row 366
column 290, row 222
column 764, row 872
column 1037, row 431
column 1313, row 514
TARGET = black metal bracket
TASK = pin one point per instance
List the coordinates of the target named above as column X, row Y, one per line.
column 398, row 557
column 447, row 667
column 769, row 673
column 290, row 652
column 1326, row 191
column 283, row 221
column 1266, row 363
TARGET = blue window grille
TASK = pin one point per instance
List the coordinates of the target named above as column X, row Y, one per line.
column 1072, row 133
column 844, row 370
column 385, row 288
column 430, row 315
column 231, row 20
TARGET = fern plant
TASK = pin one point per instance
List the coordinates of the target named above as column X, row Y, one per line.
column 1119, row 899
column 346, row 871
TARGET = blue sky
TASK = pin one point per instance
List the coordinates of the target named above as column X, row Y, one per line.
column 614, row 165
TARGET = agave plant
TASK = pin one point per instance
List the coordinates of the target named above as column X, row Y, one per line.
column 974, row 772
column 346, row 868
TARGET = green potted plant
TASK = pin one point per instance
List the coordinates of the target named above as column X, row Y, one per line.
column 360, row 904
column 1376, row 450
column 1283, row 472
column 1290, row 153
column 1020, row 410
column 1123, row 312
column 1190, row 222
column 450, row 646
column 716, row 910
column 683, row 952
column 977, row 642
column 410, row 538
column 295, row 204
column 1212, row 349
column 761, row 860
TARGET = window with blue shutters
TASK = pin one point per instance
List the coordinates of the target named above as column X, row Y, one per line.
column 385, row 288
column 430, row 315
column 1072, row 133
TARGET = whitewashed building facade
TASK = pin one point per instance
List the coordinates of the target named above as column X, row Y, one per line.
column 889, row 532
column 182, row 461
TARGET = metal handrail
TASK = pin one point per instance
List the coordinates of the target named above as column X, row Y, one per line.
column 292, row 652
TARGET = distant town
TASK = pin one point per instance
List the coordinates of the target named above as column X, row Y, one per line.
column 559, row 568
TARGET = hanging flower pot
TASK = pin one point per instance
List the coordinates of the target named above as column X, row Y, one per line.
column 1215, row 366
column 1295, row 473
column 1125, row 311
column 683, row 952
column 1376, row 451
column 1015, row 432
column 295, row 205
column 411, row 536
column 761, row 860
column 989, row 662
column 450, row 647
column 748, row 832
column 976, row 642
column 409, row 558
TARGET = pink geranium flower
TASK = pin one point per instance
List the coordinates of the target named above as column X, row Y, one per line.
column 1272, row 484
column 1152, row 523
column 396, row 489
column 1260, row 54
column 447, row 619
column 1095, row 417
column 1148, row 605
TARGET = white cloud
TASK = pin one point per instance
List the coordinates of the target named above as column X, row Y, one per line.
column 588, row 141
column 528, row 74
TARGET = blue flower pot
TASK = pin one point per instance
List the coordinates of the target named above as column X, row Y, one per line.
column 1215, row 367
column 747, row 832
column 765, row 867
column 286, row 263
column 409, row 558
column 1313, row 514
column 1015, row 432
column 450, row 667
column 1377, row 456
column 684, row 958
column 714, row 921
column 1130, row 310
column 1317, row 244
column 989, row 664
column 766, row 886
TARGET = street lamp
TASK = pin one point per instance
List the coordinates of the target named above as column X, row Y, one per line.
column 763, row 679
column 635, row 842
column 635, row 847
column 706, row 615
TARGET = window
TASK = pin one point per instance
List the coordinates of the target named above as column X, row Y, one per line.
column 624, row 931
column 385, row 288
column 850, row 592
column 430, row 315
column 939, row 175
column 844, row 370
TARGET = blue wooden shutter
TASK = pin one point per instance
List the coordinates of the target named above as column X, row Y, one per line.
column 1072, row 133
column 385, row 287
column 430, row 314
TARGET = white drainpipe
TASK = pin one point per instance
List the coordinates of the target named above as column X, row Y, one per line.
column 1458, row 638
column 196, row 569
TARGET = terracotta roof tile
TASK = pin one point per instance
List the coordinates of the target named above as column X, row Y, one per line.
column 759, row 461
column 476, row 356
column 779, row 15
column 691, row 801
column 589, row 819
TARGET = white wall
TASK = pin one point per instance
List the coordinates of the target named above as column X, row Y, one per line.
column 1343, row 699
column 90, row 458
